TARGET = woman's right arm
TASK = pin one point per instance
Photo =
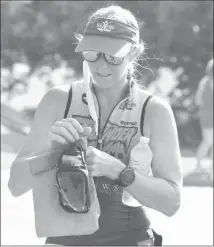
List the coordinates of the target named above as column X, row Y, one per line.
column 37, row 152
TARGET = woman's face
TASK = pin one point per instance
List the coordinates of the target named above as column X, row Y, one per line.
column 108, row 76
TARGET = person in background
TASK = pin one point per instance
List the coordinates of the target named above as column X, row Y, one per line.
column 204, row 101
column 110, row 45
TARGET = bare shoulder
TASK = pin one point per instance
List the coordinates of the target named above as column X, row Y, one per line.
column 156, row 108
column 61, row 92
column 158, row 113
column 57, row 92
column 50, row 109
column 55, row 99
column 159, row 109
column 159, row 119
column 159, row 104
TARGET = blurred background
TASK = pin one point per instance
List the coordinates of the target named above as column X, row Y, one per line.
column 37, row 53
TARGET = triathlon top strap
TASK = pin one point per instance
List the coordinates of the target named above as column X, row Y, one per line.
column 68, row 102
column 143, row 113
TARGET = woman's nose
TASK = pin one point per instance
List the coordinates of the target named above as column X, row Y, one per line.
column 102, row 64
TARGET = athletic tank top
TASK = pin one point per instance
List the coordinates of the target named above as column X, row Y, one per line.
column 120, row 134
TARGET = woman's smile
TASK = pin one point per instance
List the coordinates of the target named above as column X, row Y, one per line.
column 102, row 75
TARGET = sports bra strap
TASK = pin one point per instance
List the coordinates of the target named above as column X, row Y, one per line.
column 143, row 113
column 68, row 102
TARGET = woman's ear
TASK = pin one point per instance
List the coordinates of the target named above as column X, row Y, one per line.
column 136, row 50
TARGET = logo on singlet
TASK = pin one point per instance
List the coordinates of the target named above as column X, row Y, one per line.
column 127, row 104
column 118, row 137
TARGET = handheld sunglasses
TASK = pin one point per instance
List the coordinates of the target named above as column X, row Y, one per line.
column 93, row 56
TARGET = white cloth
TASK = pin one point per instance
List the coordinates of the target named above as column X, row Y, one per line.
column 91, row 103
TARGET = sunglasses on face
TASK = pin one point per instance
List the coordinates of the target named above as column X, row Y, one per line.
column 93, row 56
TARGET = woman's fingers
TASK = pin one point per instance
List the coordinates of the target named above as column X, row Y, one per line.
column 69, row 130
column 75, row 124
column 70, row 160
column 63, row 132
column 69, row 127
column 57, row 138
column 75, row 127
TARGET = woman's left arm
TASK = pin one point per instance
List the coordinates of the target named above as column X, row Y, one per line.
column 161, row 192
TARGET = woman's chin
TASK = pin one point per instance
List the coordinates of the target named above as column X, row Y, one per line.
column 103, row 83
column 103, row 86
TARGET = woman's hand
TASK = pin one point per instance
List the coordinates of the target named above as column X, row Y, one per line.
column 66, row 131
column 102, row 164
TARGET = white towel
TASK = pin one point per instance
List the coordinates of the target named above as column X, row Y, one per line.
column 91, row 104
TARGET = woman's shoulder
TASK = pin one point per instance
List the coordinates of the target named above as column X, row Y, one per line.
column 56, row 94
column 158, row 113
column 60, row 93
column 157, row 108
column 156, row 103
column 159, row 103
column 55, row 99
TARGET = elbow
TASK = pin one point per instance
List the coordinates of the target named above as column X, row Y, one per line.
column 14, row 187
column 16, row 190
column 13, row 190
column 173, row 203
column 172, row 209
column 13, row 183
column 169, row 206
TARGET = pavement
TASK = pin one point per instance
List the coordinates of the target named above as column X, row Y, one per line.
column 191, row 225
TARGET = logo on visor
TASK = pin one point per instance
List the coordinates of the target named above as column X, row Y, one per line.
column 104, row 27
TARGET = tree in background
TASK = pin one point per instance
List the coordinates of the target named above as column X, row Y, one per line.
column 179, row 33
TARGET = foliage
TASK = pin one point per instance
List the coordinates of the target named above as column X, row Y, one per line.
column 179, row 32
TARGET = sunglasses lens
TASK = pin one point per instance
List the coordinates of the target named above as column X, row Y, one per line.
column 114, row 60
column 90, row 56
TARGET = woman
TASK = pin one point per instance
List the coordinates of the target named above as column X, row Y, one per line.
column 110, row 46
column 204, row 101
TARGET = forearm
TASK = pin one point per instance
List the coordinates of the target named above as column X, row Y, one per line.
column 24, row 170
column 156, row 193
